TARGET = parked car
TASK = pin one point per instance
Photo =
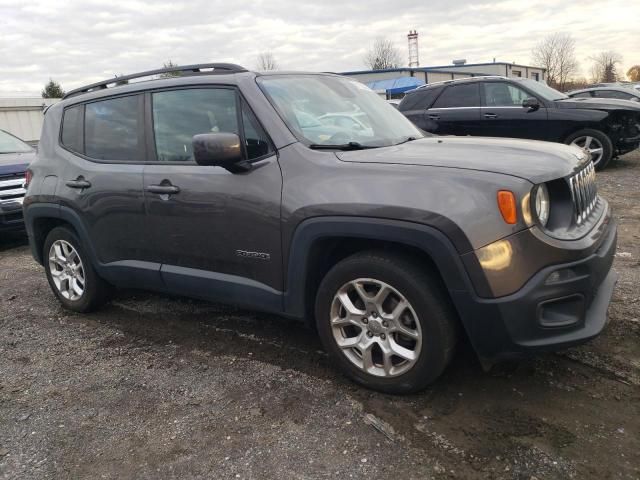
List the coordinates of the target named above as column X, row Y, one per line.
column 524, row 108
column 390, row 242
column 15, row 156
column 621, row 93
column 394, row 102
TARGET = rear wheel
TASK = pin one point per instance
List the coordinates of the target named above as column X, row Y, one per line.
column 596, row 143
column 70, row 273
column 385, row 321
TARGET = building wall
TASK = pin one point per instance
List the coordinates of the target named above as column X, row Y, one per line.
column 23, row 117
column 504, row 69
column 375, row 76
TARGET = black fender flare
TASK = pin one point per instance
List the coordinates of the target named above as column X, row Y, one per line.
column 59, row 212
column 428, row 239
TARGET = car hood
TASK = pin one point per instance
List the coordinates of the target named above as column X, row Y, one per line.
column 529, row 159
column 15, row 162
column 598, row 104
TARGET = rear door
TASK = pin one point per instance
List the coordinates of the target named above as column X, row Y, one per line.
column 216, row 228
column 103, row 155
column 504, row 116
column 456, row 111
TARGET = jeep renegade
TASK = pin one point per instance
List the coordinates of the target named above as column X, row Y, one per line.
column 309, row 196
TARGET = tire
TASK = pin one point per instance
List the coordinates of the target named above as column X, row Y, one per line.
column 597, row 139
column 95, row 291
column 429, row 318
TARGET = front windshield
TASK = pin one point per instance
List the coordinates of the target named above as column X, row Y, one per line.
column 543, row 90
column 11, row 144
column 328, row 110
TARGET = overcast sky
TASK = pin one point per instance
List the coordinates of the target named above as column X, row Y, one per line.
column 80, row 41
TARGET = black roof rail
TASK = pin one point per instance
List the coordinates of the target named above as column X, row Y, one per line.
column 183, row 70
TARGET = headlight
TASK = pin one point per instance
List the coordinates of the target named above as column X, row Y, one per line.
column 541, row 202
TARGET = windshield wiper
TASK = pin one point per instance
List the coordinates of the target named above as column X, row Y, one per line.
column 343, row 146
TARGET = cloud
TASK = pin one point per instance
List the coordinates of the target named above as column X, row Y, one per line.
column 80, row 41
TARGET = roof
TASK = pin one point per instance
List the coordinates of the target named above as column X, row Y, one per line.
column 396, row 85
column 466, row 80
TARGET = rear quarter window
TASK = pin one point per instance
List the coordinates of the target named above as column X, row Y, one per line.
column 419, row 100
column 72, row 131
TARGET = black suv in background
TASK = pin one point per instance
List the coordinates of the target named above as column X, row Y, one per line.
column 524, row 108
column 309, row 196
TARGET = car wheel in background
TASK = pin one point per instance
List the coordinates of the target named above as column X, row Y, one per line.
column 386, row 321
column 70, row 273
column 597, row 143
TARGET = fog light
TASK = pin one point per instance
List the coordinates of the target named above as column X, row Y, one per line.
column 560, row 276
column 561, row 312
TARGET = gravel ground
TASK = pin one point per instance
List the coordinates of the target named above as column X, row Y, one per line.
column 157, row 387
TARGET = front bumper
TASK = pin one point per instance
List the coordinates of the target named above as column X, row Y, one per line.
column 545, row 315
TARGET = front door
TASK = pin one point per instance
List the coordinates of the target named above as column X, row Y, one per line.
column 504, row 116
column 216, row 233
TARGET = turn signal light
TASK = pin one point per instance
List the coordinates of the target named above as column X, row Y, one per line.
column 507, row 206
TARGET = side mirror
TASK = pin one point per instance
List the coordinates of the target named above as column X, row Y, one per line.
column 531, row 103
column 219, row 150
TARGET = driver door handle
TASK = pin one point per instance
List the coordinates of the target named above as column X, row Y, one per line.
column 163, row 189
column 433, row 116
column 490, row 115
column 79, row 183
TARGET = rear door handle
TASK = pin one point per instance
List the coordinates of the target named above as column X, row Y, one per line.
column 79, row 182
column 433, row 116
column 490, row 115
column 163, row 189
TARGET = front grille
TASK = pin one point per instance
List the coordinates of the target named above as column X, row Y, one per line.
column 584, row 192
column 12, row 189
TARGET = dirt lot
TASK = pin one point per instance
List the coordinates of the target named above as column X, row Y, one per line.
column 155, row 387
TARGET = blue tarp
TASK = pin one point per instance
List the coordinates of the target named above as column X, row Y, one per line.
column 395, row 85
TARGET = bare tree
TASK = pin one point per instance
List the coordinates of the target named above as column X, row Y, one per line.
column 169, row 64
column 605, row 66
column 383, row 54
column 634, row 73
column 267, row 61
column 557, row 54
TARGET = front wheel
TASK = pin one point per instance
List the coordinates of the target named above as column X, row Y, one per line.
column 596, row 143
column 386, row 321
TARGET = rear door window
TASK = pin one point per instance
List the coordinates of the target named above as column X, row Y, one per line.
column 113, row 129
column 456, row 96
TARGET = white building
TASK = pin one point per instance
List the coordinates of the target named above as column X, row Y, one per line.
column 23, row 117
column 441, row 73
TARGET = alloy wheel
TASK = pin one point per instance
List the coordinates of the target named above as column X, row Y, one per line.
column 376, row 327
column 66, row 270
column 592, row 145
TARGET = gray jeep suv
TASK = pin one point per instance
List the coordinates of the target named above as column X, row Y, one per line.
column 308, row 196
